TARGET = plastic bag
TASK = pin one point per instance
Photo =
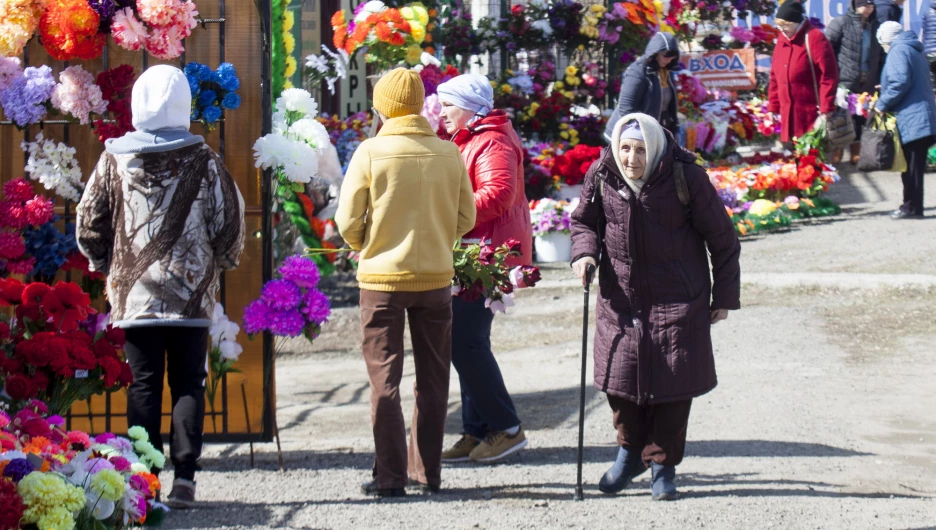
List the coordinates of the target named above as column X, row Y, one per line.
column 900, row 160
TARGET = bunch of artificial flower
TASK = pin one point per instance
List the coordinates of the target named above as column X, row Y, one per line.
column 78, row 95
column 292, row 305
column 25, row 96
column 329, row 69
column 223, row 354
column 158, row 26
column 18, row 21
column 212, row 91
column 292, row 149
column 70, row 30
column 116, row 86
column 551, row 216
column 482, row 271
column 54, row 166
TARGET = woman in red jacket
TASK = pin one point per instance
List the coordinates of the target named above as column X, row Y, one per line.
column 792, row 91
column 494, row 158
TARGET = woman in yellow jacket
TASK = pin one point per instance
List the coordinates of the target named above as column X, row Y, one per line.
column 405, row 201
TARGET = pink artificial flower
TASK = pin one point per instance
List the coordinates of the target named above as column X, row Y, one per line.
column 4, row 419
column 121, row 464
column 78, row 438
column 432, row 111
column 39, row 211
column 104, row 438
column 165, row 42
column 185, row 17
column 21, row 266
column 156, row 12
column 31, row 424
column 128, row 31
column 18, row 190
column 13, row 216
column 11, row 246
column 78, row 95
column 139, row 483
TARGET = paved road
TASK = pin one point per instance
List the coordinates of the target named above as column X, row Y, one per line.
column 823, row 418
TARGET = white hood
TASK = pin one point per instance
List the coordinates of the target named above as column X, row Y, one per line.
column 162, row 99
column 654, row 140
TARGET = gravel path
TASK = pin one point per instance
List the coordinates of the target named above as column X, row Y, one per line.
column 823, row 418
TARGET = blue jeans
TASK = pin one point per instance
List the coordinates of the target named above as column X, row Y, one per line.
column 486, row 405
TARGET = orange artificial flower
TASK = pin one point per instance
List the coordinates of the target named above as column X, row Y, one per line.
column 338, row 19
column 383, row 31
column 330, row 256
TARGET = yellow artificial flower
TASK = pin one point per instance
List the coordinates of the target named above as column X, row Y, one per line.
column 569, row 94
column 762, row 207
column 598, row 9
column 109, row 484
column 563, row 126
column 56, row 518
column 564, row 135
column 573, row 133
column 422, row 14
column 288, row 84
column 574, row 141
column 418, row 31
column 289, row 20
column 289, row 42
column 559, row 85
column 573, row 81
column 291, row 66
column 493, row 84
column 408, row 13
column 571, row 70
column 506, row 89
column 413, row 53
column 510, row 72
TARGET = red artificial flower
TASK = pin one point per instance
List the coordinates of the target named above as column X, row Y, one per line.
column 20, row 387
column 4, row 330
column 41, row 380
column 513, row 245
column 486, row 256
column 83, row 358
column 36, row 351
column 10, row 365
column 103, row 348
column 115, row 336
column 11, row 503
column 69, row 30
column 126, row 375
column 67, row 305
column 531, row 275
column 11, row 291
column 112, row 371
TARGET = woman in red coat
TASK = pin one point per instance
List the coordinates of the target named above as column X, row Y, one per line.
column 494, row 158
column 792, row 92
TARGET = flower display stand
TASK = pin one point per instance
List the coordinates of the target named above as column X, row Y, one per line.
column 553, row 247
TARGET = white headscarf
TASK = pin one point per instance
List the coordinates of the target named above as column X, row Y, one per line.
column 654, row 142
column 470, row 92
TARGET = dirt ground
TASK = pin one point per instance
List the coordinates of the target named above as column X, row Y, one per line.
column 824, row 417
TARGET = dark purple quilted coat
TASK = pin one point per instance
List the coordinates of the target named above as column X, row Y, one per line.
column 653, row 340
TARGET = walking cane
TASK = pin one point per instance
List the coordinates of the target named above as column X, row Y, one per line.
column 579, row 494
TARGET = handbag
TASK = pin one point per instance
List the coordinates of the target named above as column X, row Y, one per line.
column 878, row 147
column 839, row 128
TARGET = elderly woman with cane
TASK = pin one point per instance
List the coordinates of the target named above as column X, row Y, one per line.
column 493, row 155
column 650, row 218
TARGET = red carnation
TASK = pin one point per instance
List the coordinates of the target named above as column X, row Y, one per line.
column 11, row 292
column 83, row 358
column 67, row 305
column 4, row 330
column 115, row 336
column 112, row 371
column 126, row 374
column 11, row 503
column 35, row 352
column 20, row 387
column 40, row 380
column 103, row 348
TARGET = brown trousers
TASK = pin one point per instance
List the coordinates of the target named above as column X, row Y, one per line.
column 382, row 320
column 657, row 431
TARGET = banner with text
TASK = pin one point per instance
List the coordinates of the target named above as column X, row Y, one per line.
column 725, row 69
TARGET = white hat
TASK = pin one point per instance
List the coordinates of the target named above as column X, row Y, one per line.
column 889, row 31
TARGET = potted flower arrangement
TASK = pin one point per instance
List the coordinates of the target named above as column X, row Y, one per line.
column 552, row 224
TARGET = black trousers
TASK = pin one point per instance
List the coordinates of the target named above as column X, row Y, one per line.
column 182, row 351
column 915, row 152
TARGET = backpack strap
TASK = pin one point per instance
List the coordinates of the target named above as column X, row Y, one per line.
column 682, row 188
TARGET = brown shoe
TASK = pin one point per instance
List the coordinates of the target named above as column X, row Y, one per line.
column 183, row 495
column 855, row 151
column 461, row 450
column 497, row 445
column 836, row 156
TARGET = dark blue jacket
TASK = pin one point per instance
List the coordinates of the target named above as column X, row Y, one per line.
column 885, row 10
column 906, row 90
column 929, row 27
column 640, row 87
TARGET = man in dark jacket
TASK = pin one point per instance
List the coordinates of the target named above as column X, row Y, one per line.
column 659, row 295
column 889, row 10
column 649, row 86
column 859, row 56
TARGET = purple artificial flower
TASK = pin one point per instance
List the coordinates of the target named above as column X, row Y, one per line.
column 94, row 465
column 121, row 444
column 17, row 469
column 121, row 464
column 300, row 271
column 256, row 317
column 139, row 483
column 316, row 307
column 24, row 100
column 105, row 10
column 104, row 438
column 281, row 295
column 286, row 323
column 56, row 420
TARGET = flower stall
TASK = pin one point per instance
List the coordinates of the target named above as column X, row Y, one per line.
column 67, row 70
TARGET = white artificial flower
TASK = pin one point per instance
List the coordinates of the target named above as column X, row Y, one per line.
column 500, row 305
column 54, row 166
column 418, row 68
column 427, row 58
column 317, row 63
column 297, row 100
column 727, row 39
column 279, row 122
column 231, row 350
column 456, row 289
column 340, row 61
column 374, row 6
column 100, row 507
column 543, row 25
column 218, row 314
column 310, row 131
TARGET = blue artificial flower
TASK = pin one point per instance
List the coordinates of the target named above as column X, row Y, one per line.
column 231, row 101
column 190, row 69
column 50, row 247
column 204, row 73
column 195, row 113
column 211, row 113
column 193, row 83
column 207, row 97
column 227, row 77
